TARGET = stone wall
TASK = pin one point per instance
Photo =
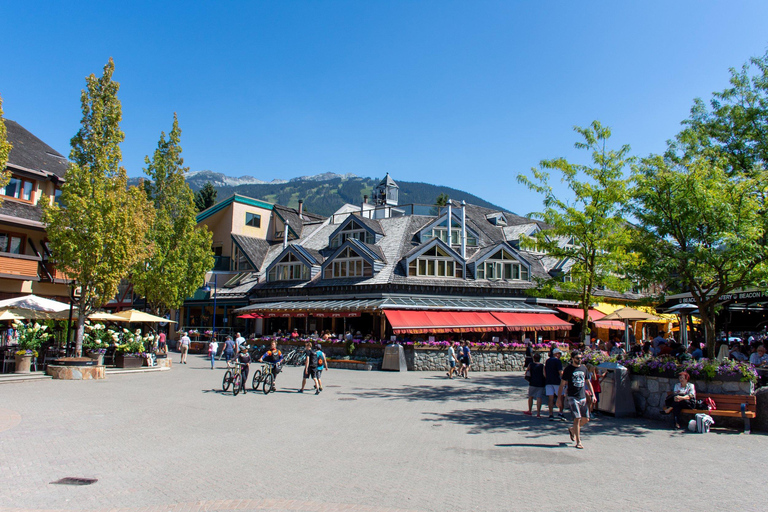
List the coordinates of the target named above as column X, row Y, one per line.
column 428, row 359
column 75, row 372
column 650, row 392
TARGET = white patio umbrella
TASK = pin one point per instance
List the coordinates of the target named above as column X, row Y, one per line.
column 34, row 307
column 628, row 314
column 133, row 315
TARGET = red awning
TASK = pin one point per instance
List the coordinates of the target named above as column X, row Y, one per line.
column 250, row 316
column 594, row 316
column 422, row 322
column 533, row 322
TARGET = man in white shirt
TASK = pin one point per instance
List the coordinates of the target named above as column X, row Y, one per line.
column 759, row 358
column 239, row 340
column 184, row 347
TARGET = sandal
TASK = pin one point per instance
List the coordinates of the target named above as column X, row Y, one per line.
column 570, row 433
column 580, row 446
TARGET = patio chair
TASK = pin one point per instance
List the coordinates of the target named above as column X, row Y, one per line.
column 9, row 360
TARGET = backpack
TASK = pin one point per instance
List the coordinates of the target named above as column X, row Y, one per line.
column 320, row 359
column 703, row 422
column 313, row 359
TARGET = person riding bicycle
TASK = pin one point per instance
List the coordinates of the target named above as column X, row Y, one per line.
column 244, row 358
column 273, row 356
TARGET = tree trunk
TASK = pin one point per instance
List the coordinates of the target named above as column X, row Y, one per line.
column 585, row 327
column 79, row 334
column 708, row 320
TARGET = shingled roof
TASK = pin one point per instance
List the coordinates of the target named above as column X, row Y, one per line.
column 255, row 249
column 32, row 154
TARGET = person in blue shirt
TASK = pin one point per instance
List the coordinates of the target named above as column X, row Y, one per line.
column 697, row 353
column 273, row 356
column 466, row 360
column 322, row 364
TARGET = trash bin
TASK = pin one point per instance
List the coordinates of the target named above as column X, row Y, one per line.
column 394, row 358
column 616, row 395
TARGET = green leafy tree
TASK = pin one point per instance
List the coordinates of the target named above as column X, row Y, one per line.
column 702, row 205
column 442, row 199
column 587, row 231
column 5, row 150
column 181, row 251
column 205, row 197
column 97, row 233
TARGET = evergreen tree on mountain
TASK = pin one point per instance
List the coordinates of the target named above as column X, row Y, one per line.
column 205, row 197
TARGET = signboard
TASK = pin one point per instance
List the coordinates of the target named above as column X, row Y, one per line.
column 754, row 294
column 349, row 314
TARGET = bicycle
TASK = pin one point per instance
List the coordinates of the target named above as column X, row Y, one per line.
column 265, row 376
column 233, row 377
column 295, row 357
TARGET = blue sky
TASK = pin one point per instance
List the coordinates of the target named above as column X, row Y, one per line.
column 464, row 94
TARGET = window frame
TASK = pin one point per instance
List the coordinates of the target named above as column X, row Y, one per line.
column 10, row 235
column 501, row 268
column 349, row 265
column 253, row 215
column 23, row 180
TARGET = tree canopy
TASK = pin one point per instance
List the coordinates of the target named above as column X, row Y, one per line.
column 181, row 251
column 587, row 233
column 205, row 197
column 97, row 233
column 5, row 150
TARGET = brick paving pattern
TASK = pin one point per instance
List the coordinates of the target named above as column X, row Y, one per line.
column 371, row 441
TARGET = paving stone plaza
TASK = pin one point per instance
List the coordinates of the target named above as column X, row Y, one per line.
column 371, row 441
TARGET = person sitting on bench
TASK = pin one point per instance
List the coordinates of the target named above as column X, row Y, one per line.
column 682, row 397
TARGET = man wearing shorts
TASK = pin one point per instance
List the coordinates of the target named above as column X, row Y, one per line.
column 553, row 372
column 310, row 367
column 537, row 385
column 577, row 384
column 451, row 361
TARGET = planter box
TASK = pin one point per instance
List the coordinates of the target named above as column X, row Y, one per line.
column 99, row 358
column 122, row 361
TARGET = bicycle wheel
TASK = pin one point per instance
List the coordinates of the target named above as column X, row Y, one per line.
column 300, row 359
column 237, row 383
column 269, row 381
column 227, row 380
column 256, row 380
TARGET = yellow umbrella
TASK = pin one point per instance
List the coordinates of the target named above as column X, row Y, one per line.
column 108, row 317
column 628, row 314
column 141, row 317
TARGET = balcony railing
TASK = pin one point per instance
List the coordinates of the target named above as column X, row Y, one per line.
column 222, row 263
column 18, row 264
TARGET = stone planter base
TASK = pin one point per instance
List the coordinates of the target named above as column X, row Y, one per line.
column 349, row 365
column 163, row 362
column 23, row 364
column 76, row 372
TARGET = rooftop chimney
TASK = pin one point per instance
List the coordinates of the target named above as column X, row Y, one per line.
column 450, row 222
column 301, row 207
column 285, row 234
column 463, row 229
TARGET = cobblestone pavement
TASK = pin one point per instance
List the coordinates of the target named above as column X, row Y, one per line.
column 371, row 441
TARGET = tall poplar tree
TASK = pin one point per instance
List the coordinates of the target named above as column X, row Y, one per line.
column 5, row 150
column 588, row 230
column 181, row 251
column 98, row 232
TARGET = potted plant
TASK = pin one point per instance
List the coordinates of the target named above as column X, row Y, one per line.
column 128, row 354
column 96, row 340
column 30, row 337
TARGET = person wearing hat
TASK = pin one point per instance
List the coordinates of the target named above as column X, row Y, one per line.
column 244, row 358
column 553, row 371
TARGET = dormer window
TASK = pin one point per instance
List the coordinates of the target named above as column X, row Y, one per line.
column 290, row 268
column 435, row 262
column 502, row 266
column 353, row 230
column 441, row 232
column 348, row 264
column 18, row 188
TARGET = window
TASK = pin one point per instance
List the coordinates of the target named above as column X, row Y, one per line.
column 566, row 278
column 57, row 196
column 441, row 232
column 352, row 230
column 348, row 264
column 502, row 266
column 435, row 262
column 12, row 243
column 290, row 268
column 240, row 260
column 253, row 220
column 18, row 188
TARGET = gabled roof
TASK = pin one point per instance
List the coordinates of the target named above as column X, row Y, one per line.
column 372, row 226
column 486, row 252
column 388, row 181
column 255, row 249
column 374, row 251
column 32, row 154
column 420, row 249
column 234, row 198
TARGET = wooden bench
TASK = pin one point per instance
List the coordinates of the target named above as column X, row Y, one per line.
column 730, row 406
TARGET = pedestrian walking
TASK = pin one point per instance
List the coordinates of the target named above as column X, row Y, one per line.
column 466, row 359
column 553, row 372
column 451, row 360
column 536, row 386
column 184, row 347
column 310, row 367
column 576, row 384
column 322, row 364
column 213, row 347
column 239, row 340
column 229, row 349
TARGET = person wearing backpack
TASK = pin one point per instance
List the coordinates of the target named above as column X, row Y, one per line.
column 321, row 365
column 310, row 367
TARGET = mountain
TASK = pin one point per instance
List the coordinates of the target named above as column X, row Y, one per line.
column 323, row 193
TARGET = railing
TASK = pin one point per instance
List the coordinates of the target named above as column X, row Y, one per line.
column 18, row 264
column 48, row 272
column 222, row 263
column 383, row 212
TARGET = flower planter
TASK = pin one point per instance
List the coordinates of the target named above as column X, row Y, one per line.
column 23, row 364
column 99, row 358
column 123, row 361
